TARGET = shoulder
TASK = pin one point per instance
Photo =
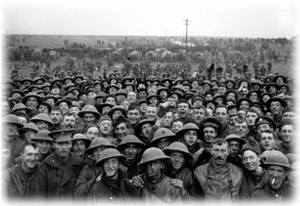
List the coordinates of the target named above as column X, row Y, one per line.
column 51, row 160
column 235, row 169
column 201, row 168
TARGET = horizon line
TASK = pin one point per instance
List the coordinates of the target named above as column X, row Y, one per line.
column 119, row 35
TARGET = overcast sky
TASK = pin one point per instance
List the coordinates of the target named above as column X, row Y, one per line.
column 244, row 18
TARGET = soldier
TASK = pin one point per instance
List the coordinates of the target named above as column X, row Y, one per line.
column 277, row 166
column 132, row 149
column 112, row 183
column 12, row 137
column 44, row 143
column 89, row 114
column 80, row 143
column 42, row 121
column 90, row 172
column 254, row 173
column 57, row 175
column 154, row 184
column 218, row 178
column 20, row 176
column 286, row 131
column 235, row 143
column 32, row 100
column 179, row 166
column 162, row 137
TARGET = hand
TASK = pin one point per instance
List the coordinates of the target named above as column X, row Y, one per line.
column 177, row 183
column 138, row 181
column 98, row 179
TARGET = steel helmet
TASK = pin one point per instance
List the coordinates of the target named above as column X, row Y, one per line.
column 43, row 135
column 185, row 128
column 152, row 154
column 89, row 109
column 131, row 139
column 98, row 142
column 162, row 133
column 178, row 147
column 275, row 157
column 110, row 153
column 12, row 119
column 42, row 117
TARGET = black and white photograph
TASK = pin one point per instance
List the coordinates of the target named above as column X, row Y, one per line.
column 149, row 102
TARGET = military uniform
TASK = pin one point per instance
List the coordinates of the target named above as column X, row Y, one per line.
column 219, row 183
column 56, row 178
column 19, row 182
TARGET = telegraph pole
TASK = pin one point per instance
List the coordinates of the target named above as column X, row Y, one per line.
column 186, row 34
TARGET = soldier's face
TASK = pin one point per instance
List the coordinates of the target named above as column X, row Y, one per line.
column 32, row 103
column 79, row 147
column 234, row 147
column 209, row 134
column 63, row 149
column 44, row 146
column 276, row 107
column 250, row 118
column 176, row 126
column 42, row 125
column 131, row 151
column 177, row 160
column 267, row 141
column 97, row 152
column 92, row 133
column 220, row 153
column 146, row 129
column 56, row 116
column 277, row 176
column 31, row 156
column 111, row 166
column 11, row 129
column 250, row 160
column 154, row 168
column 105, row 127
column 287, row 133
column 121, row 130
column 190, row 137
column 88, row 117
column 133, row 116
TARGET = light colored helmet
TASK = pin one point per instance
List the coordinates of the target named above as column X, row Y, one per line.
column 178, row 147
column 151, row 154
column 274, row 157
column 162, row 133
column 110, row 153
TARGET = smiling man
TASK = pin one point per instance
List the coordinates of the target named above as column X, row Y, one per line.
column 254, row 173
column 20, row 176
column 112, row 183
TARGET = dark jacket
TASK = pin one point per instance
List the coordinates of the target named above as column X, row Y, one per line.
column 222, row 183
column 162, row 191
column 186, row 175
column 109, row 189
column 57, row 179
column 17, row 145
column 252, row 182
column 267, row 193
column 86, row 179
column 19, row 182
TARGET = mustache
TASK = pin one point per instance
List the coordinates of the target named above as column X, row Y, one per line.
column 219, row 158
